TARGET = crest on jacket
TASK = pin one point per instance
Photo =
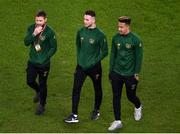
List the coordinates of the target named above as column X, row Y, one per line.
column 42, row 38
column 118, row 46
column 128, row 46
column 91, row 41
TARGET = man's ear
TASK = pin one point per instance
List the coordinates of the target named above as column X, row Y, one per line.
column 45, row 19
column 93, row 19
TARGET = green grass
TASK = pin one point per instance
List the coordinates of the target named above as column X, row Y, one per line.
column 157, row 23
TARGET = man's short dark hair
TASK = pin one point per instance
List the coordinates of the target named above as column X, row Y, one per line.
column 91, row 13
column 41, row 13
column 125, row 19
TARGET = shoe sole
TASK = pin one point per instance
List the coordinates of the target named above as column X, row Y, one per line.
column 138, row 119
column 72, row 121
column 115, row 128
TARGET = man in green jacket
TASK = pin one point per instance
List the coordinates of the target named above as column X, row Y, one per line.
column 92, row 47
column 42, row 41
column 125, row 64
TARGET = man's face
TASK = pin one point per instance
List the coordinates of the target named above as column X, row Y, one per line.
column 123, row 28
column 40, row 21
column 88, row 20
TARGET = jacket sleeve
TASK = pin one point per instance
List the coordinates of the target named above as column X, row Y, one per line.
column 29, row 38
column 78, row 44
column 138, row 56
column 113, row 55
column 53, row 44
column 103, row 48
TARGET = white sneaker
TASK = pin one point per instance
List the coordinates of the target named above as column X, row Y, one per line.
column 138, row 113
column 115, row 125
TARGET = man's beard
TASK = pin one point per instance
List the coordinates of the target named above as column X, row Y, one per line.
column 88, row 25
column 40, row 25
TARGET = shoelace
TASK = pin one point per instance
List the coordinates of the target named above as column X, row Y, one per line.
column 138, row 112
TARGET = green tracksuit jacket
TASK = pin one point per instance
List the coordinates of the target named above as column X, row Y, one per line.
column 126, row 54
column 91, row 47
column 47, row 42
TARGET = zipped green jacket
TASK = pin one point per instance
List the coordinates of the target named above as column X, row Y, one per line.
column 126, row 54
column 47, row 42
column 91, row 47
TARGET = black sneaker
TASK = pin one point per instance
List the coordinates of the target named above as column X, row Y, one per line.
column 71, row 119
column 95, row 115
column 40, row 110
column 36, row 98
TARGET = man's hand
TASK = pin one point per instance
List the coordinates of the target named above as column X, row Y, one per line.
column 136, row 76
column 37, row 30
